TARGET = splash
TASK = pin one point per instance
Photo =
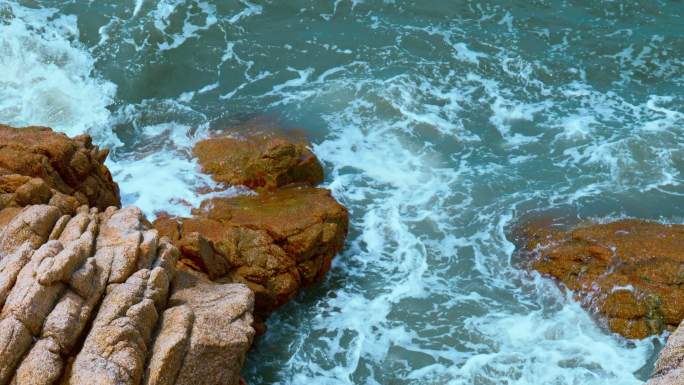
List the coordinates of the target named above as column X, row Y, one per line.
column 47, row 77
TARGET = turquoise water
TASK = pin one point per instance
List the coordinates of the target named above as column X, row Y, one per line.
column 440, row 123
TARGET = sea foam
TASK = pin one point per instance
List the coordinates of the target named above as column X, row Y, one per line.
column 47, row 77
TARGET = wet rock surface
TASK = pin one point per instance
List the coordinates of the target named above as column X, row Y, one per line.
column 39, row 166
column 276, row 241
column 259, row 159
column 94, row 298
column 629, row 272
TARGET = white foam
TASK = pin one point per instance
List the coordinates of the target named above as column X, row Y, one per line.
column 249, row 10
column 158, row 182
column 428, row 231
column 466, row 54
column 48, row 79
column 564, row 347
column 505, row 112
column 161, row 174
column 163, row 182
column 167, row 8
column 577, row 127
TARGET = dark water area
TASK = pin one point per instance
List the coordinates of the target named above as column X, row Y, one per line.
column 441, row 124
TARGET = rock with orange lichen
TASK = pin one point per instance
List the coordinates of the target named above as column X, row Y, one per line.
column 275, row 242
column 39, row 166
column 259, row 160
column 629, row 272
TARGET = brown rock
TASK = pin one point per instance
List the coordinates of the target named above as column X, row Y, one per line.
column 171, row 346
column 221, row 332
column 32, row 225
column 629, row 272
column 39, row 166
column 259, row 160
column 275, row 243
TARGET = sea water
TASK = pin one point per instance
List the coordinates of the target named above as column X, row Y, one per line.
column 441, row 124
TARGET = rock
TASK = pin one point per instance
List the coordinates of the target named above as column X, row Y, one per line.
column 275, row 243
column 31, row 226
column 221, row 332
column 259, row 160
column 669, row 369
column 629, row 272
column 170, row 346
column 84, row 298
column 39, row 166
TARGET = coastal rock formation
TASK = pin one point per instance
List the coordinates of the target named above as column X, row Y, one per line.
column 259, row 160
column 214, row 333
column 39, row 166
column 629, row 272
column 94, row 298
column 276, row 241
column 669, row 369
column 92, row 294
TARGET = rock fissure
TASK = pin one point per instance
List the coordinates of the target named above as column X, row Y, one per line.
column 91, row 294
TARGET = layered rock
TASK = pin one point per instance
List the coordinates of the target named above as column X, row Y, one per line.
column 90, row 294
column 215, row 331
column 84, row 299
column 276, row 241
column 39, row 166
column 669, row 369
column 629, row 272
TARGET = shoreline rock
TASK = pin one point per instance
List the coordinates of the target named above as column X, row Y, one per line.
column 82, row 296
column 669, row 369
column 277, row 241
column 627, row 272
column 39, row 166
column 93, row 294
column 259, row 160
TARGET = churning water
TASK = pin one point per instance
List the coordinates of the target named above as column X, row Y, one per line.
column 441, row 123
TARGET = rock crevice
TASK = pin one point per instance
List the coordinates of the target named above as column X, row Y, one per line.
column 93, row 294
column 83, row 307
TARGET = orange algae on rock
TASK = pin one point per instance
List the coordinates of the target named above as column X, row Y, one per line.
column 259, row 160
column 276, row 241
column 629, row 272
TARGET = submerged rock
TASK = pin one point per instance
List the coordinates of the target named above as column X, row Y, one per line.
column 39, row 166
column 629, row 272
column 84, row 299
